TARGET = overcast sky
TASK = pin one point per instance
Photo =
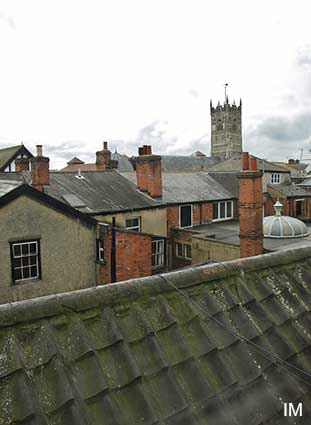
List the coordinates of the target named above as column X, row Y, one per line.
column 75, row 73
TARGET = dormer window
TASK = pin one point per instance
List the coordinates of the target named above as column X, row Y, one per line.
column 275, row 178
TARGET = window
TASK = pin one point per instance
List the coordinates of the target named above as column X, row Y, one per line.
column 219, row 125
column 100, row 250
column 185, row 216
column 299, row 207
column 158, row 253
column 275, row 178
column 25, row 257
column 179, row 250
column 234, row 126
column 133, row 224
column 188, row 255
column 222, row 210
column 183, row 251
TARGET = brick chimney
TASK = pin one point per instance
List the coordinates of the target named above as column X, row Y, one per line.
column 148, row 172
column 40, row 173
column 250, row 208
column 21, row 164
column 103, row 158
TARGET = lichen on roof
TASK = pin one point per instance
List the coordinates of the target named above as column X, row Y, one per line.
column 139, row 352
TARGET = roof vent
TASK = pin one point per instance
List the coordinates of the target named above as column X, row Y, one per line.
column 79, row 175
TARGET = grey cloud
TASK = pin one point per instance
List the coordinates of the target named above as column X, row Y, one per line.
column 279, row 137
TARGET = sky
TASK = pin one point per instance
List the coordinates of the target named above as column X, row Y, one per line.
column 75, row 73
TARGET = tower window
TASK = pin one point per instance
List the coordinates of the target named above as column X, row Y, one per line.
column 234, row 126
column 219, row 125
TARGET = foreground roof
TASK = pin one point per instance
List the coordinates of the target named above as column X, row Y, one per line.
column 140, row 353
column 97, row 191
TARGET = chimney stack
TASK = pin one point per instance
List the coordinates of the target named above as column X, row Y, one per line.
column 250, row 208
column 148, row 172
column 103, row 158
column 21, row 164
column 40, row 172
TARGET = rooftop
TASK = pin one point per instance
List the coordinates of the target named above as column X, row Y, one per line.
column 234, row 164
column 141, row 352
column 228, row 232
column 188, row 187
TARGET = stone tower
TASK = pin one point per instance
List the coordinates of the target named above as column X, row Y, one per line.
column 226, row 129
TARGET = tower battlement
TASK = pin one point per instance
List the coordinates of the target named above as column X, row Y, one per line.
column 226, row 129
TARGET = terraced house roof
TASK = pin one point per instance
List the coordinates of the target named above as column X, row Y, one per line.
column 140, row 352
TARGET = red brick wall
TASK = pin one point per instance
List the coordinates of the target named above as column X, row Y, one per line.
column 172, row 217
column 133, row 255
column 207, row 212
column 21, row 164
column 250, row 213
column 149, row 175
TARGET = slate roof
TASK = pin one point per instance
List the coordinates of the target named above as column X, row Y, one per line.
column 192, row 187
column 290, row 190
column 228, row 180
column 7, row 186
column 189, row 187
column 306, row 182
column 101, row 191
column 124, row 163
column 235, row 164
column 140, row 353
column 176, row 163
column 8, row 154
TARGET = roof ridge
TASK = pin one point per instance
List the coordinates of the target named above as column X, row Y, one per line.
column 84, row 299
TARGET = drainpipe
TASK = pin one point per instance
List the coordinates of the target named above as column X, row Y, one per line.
column 113, row 250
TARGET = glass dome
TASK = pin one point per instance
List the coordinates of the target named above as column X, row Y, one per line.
column 282, row 226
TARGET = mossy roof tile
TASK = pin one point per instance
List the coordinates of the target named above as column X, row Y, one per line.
column 141, row 353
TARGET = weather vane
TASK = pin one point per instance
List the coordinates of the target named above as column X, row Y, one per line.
column 226, row 85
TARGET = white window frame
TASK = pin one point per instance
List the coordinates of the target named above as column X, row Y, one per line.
column 186, row 205
column 176, row 250
column 275, row 178
column 226, row 211
column 134, row 228
column 159, row 254
column 185, row 251
column 36, row 254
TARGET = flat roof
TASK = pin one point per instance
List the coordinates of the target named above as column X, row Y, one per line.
column 228, row 232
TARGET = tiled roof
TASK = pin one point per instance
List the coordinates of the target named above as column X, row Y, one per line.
column 7, row 186
column 140, row 353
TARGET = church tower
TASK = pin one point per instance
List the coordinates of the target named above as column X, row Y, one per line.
column 226, row 129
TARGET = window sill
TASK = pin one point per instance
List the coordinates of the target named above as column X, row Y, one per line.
column 222, row 219
column 25, row 282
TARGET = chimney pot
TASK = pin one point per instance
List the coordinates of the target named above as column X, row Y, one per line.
column 140, row 151
column 245, row 161
column 105, row 144
column 39, row 150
